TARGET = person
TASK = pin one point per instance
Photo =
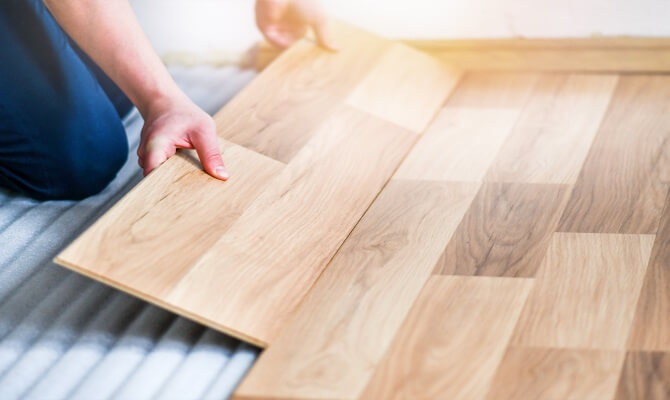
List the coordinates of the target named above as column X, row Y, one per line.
column 71, row 69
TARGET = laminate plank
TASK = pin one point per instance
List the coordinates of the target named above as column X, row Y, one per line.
column 506, row 231
column 452, row 340
column 554, row 132
column 340, row 332
column 651, row 326
column 120, row 248
column 273, row 253
column 459, row 145
column 427, row 89
column 621, row 188
column 493, row 90
column 243, row 262
column 305, row 83
column 645, row 375
column 585, row 292
column 545, row 373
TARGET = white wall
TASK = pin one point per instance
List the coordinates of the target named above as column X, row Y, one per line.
column 201, row 26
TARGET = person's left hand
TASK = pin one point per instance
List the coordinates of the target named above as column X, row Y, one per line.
column 283, row 22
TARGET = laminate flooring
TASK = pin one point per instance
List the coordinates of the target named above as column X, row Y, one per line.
column 520, row 251
column 397, row 228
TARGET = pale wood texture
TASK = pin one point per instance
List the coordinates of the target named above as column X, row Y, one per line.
column 493, row 89
column 460, row 144
column 400, row 66
column 313, row 140
column 273, row 253
column 585, row 292
column 452, row 340
column 545, row 373
column 645, row 375
column 341, row 331
column 651, row 326
column 277, row 112
column 623, row 184
column 124, row 242
column 555, row 130
column 506, row 230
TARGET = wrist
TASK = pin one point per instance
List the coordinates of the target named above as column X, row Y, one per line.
column 158, row 102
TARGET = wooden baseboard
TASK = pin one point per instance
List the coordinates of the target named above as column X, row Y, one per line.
column 597, row 54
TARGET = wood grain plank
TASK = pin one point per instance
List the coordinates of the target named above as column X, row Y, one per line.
column 555, row 130
column 621, row 188
column 413, row 98
column 342, row 329
column 651, row 326
column 645, row 375
column 493, row 90
column 459, row 145
column 257, row 259
column 273, row 253
column 200, row 210
column 545, row 373
column 506, row 231
column 452, row 341
column 305, row 83
column 585, row 292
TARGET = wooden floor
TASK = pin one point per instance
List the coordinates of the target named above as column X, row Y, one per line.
column 475, row 236
column 520, row 251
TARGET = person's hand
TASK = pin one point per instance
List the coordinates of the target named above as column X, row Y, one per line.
column 177, row 123
column 282, row 22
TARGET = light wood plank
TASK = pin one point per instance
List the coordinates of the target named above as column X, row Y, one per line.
column 645, row 375
column 621, row 188
column 651, row 327
column 242, row 268
column 342, row 329
column 506, row 231
column 544, row 373
column 452, row 341
column 459, row 145
column 304, row 84
column 555, row 130
column 121, row 248
column 493, row 90
column 586, row 291
column 271, row 256
column 396, row 91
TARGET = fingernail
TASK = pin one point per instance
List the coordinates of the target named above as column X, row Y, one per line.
column 222, row 172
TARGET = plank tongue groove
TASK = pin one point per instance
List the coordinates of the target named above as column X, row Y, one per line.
column 316, row 137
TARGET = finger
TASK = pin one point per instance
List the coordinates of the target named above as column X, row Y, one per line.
column 157, row 151
column 279, row 38
column 324, row 35
column 207, row 147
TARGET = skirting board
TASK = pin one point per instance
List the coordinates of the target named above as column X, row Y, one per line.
column 597, row 54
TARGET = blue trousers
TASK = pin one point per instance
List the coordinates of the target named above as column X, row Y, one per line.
column 61, row 135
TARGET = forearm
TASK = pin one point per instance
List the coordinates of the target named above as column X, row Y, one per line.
column 109, row 33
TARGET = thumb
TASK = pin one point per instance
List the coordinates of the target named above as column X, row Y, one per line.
column 207, row 147
column 157, row 151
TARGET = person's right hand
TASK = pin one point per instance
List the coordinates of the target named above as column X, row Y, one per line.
column 177, row 123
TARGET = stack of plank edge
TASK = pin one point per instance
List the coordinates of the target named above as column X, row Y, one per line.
column 396, row 228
